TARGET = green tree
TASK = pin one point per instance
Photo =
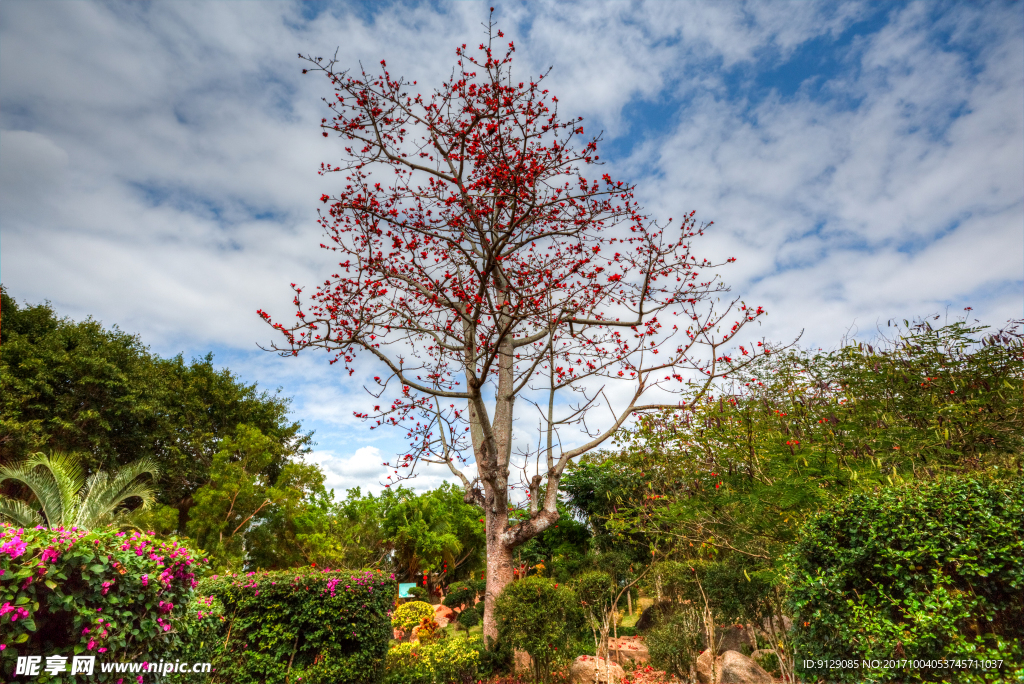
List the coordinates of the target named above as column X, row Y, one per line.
column 231, row 509
column 79, row 387
column 63, row 497
column 434, row 533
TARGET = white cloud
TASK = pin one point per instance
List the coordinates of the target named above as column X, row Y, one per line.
column 158, row 166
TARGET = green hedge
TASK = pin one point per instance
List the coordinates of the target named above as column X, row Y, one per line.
column 108, row 594
column 313, row 626
column 926, row 571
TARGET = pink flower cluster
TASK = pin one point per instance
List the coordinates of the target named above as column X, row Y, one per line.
column 14, row 546
column 18, row 611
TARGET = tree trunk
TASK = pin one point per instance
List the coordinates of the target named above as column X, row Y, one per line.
column 499, row 573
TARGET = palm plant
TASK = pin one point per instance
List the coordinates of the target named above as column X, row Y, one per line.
column 65, row 498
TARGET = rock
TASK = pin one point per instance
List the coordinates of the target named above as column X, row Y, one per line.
column 654, row 613
column 628, row 650
column 732, row 667
column 704, row 673
column 582, row 671
column 737, row 668
column 443, row 615
column 733, row 638
column 523, row 661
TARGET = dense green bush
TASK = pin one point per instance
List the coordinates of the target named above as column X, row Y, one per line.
column 675, row 642
column 330, row 626
column 109, row 594
column 409, row 615
column 541, row 617
column 446, row 661
column 922, row 571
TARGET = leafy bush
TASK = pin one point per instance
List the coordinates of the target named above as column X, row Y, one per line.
column 72, row 592
column 445, row 661
column 470, row 617
column 273, row 627
column 409, row 615
column 675, row 642
column 922, row 571
column 462, row 594
column 541, row 617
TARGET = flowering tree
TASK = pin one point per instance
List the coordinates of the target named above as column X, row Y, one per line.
column 478, row 266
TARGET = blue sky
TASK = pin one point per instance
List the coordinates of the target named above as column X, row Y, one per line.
column 862, row 161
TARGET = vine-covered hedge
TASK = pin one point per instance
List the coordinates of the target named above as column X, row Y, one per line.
column 306, row 625
column 926, row 571
column 109, row 594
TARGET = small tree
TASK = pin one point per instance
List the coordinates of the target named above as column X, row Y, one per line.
column 478, row 266
column 541, row 617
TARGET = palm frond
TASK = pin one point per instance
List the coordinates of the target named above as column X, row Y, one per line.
column 66, row 469
column 104, row 494
column 42, row 483
column 19, row 513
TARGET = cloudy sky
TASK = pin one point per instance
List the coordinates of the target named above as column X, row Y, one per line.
column 862, row 161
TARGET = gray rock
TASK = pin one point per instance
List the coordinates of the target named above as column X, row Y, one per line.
column 732, row 667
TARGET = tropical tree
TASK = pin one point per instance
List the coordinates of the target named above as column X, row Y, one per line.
column 479, row 265
column 64, row 497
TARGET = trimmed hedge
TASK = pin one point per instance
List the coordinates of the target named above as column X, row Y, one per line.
column 108, row 594
column 313, row 626
column 925, row 571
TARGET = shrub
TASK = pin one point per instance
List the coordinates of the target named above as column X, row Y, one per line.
column 540, row 617
column 451, row 660
column 462, row 594
column 675, row 642
column 274, row 627
column 924, row 571
column 409, row 615
column 71, row 592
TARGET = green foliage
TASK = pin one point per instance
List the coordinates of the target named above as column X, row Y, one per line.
column 922, row 571
column 433, row 532
column 103, row 593
column 453, row 660
column 740, row 471
column 410, row 614
column 541, row 617
column 79, row 387
column 564, row 548
column 240, row 494
column 675, row 641
column 270, row 627
column 463, row 594
column 471, row 616
column 59, row 488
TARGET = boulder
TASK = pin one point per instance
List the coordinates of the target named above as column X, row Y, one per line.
column 732, row 667
column 734, row 637
column 628, row 650
column 522, row 661
column 654, row 613
column 582, row 671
